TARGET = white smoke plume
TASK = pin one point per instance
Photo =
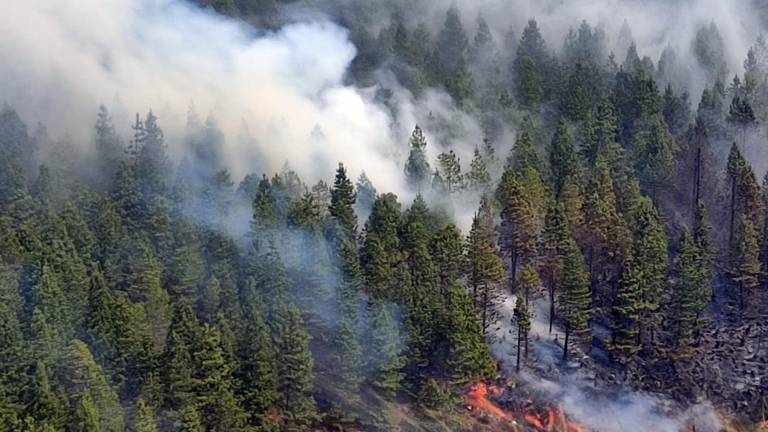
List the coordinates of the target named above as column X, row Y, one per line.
column 63, row 58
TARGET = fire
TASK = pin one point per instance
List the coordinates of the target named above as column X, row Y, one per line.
column 550, row 421
column 476, row 398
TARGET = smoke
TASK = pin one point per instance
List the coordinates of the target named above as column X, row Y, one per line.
column 286, row 87
column 573, row 387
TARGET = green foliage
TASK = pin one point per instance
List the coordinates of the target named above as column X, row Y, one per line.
column 416, row 167
column 145, row 418
column 574, row 303
column 745, row 265
column 468, row 356
column 93, row 402
column 213, row 386
column 486, row 272
column 294, row 370
column 522, row 318
column 384, row 348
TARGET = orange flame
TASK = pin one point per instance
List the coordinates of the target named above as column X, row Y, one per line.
column 476, row 398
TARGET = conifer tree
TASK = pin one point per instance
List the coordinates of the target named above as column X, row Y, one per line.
column 384, row 346
column 486, row 272
column 190, row 420
column 366, row 195
column 649, row 247
column 522, row 318
column 450, row 170
column 145, row 418
column 85, row 417
column 447, row 250
column 468, row 355
column 574, row 304
column 518, row 231
column 91, row 396
column 41, row 403
column 213, row 386
column 556, row 239
column 524, row 154
column 745, row 265
column 257, row 373
column 416, row 167
column 181, row 340
column 690, row 293
column 294, row 370
column 562, row 157
column 343, row 203
column 528, row 282
column 478, row 177
column 530, row 66
column 380, row 252
column 108, row 146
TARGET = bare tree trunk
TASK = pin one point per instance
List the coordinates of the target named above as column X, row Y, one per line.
column 565, row 344
column 519, row 342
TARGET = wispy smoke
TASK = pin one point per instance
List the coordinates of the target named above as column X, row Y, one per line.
column 601, row 408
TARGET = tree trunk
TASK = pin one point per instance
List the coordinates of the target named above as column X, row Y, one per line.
column 551, row 309
column 485, row 310
column 519, row 342
column 733, row 211
column 565, row 344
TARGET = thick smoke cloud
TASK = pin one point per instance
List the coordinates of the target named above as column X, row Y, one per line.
column 62, row 59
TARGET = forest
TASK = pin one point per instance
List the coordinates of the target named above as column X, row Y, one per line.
column 514, row 208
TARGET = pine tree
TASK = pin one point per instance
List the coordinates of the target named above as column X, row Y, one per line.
column 745, row 265
column 190, row 420
column 41, row 403
column 522, row 318
column 523, row 154
column 177, row 375
column 366, row 195
column 690, row 292
column 468, row 355
column 416, row 167
column 627, row 310
column 91, row 396
column 478, row 177
column 423, row 313
column 447, row 250
column 257, row 373
column 518, row 239
column 574, row 304
column 486, row 272
column 384, row 347
column 343, row 203
column 109, row 149
column 530, row 66
column 294, row 370
column 741, row 114
column 605, row 236
column 734, row 169
column 145, row 418
column 213, row 386
column 380, row 253
column 649, row 248
column 556, row 239
column 85, row 417
column 528, row 282
column 450, row 170
column 562, row 157
column 347, row 360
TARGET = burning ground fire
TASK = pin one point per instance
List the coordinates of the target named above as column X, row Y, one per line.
column 539, row 420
